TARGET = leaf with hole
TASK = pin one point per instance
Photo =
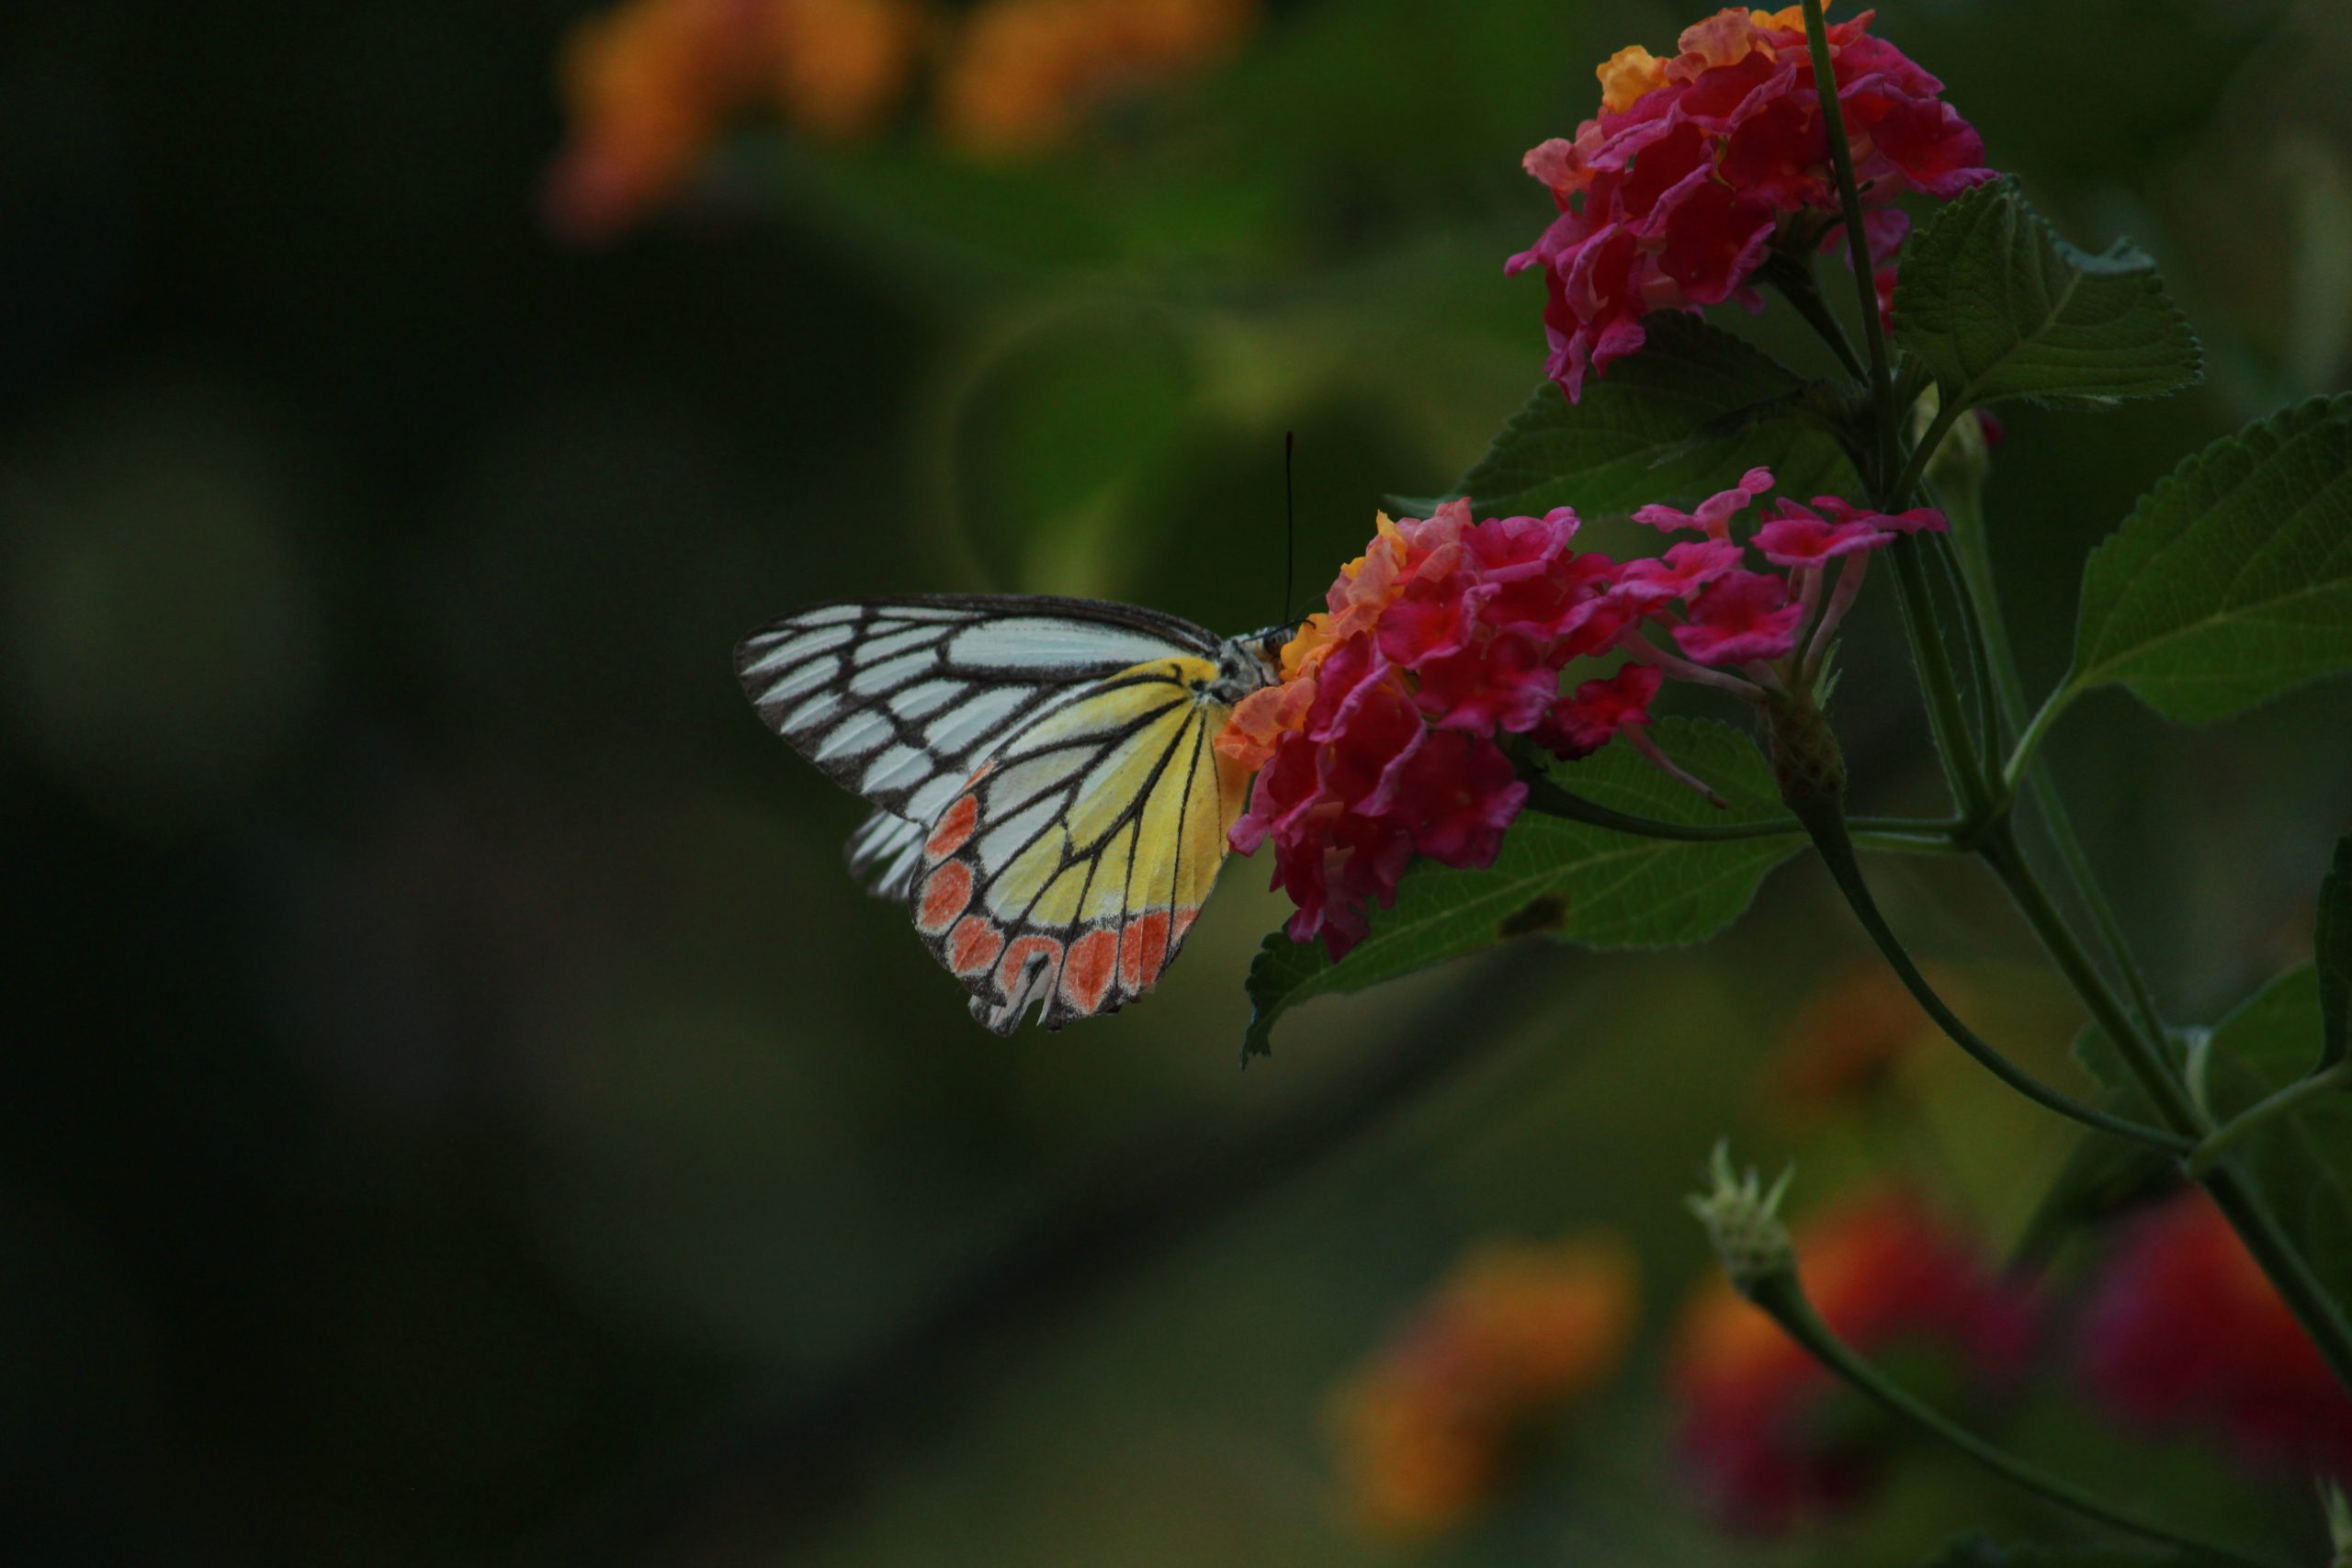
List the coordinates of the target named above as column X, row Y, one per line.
column 1569, row 879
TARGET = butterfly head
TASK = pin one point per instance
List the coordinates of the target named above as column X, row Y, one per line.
column 1254, row 660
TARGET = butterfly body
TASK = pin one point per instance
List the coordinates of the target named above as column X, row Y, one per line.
column 1048, row 801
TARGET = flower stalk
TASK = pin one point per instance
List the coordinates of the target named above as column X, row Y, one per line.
column 1826, row 823
column 2217, row 1143
column 1858, row 247
column 1792, row 275
column 2289, row 1272
column 1782, row 1296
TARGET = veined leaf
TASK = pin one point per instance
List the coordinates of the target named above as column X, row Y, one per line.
column 1673, row 423
column 2232, row 580
column 1998, row 306
column 1569, row 879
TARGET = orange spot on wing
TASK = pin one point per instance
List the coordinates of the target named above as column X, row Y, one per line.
column 1018, row 953
column 1184, row 923
column 1143, row 948
column 953, row 828
column 972, row 946
column 1086, row 974
column 945, row 893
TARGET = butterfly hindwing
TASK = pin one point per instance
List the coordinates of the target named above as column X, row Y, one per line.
column 885, row 852
column 1066, row 876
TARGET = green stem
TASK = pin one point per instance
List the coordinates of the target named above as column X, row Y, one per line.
column 1899, row 494
column 1974, row 555
column 1826, row 823
column 1800, row 286
column 1962, row 772
column 1894, row 835
column 2084, row 885
column 2144, row 1056
column 2022, row 757
column 1850, row 199
column 1782, row 1297
column 1904, row 836
column 1993, row 713
column 2217, row 1143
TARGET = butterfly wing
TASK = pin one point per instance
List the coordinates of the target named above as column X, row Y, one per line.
column 1069, row 871
column 1054, row 752
column 901, row 699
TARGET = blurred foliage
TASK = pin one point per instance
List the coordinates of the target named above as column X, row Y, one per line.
column 451, row 1080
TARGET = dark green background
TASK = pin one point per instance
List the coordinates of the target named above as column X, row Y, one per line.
column 456, row 1107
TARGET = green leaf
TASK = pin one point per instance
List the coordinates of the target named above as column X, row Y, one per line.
column 1998, row 306
column 2301, row 1158
column 1673, row 423
column 1569, row 879
column 2104, row 1175
column 2332, row 947
column 1979, row 1551
column 2232, row 580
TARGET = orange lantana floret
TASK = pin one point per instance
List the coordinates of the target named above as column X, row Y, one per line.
column 1627, row 76
column 1365, row 586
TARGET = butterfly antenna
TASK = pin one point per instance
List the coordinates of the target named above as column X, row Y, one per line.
column 1290, row 525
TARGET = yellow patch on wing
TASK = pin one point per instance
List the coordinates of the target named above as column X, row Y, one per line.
column 1096, row 836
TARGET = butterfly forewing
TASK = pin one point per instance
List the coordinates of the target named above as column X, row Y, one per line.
column 901, row 699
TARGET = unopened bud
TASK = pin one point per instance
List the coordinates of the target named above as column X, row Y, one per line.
column 1806, row 761
column 1743, row 1222
column 2339, row 1522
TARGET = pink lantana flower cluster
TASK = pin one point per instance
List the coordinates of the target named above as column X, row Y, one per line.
column 1697, row 165
column 1384, row 740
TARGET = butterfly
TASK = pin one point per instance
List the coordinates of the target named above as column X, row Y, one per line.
column 1047, row 801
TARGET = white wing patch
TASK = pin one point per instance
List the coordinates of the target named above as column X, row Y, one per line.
column 1040, row 642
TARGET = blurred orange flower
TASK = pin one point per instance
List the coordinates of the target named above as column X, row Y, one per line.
column 1848, row 1040
column 1426, row 1424
column 1024, row 73
column 652, row 84
column 842, row 65
column 1885, row 1272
